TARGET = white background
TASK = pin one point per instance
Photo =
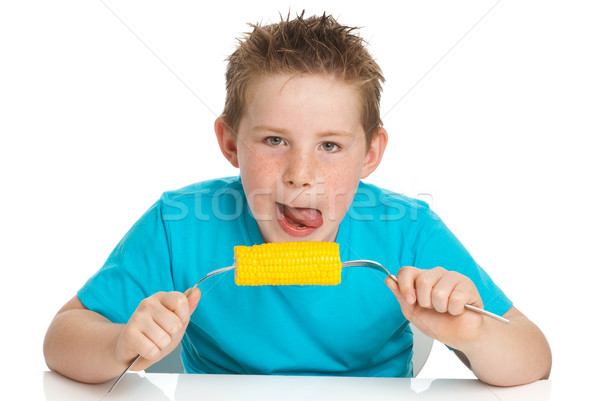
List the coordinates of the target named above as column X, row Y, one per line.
column 103, row 106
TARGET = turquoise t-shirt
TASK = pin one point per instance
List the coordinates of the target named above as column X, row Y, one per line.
column 353, row 329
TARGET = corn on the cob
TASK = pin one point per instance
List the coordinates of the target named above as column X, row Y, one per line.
column 288, row 263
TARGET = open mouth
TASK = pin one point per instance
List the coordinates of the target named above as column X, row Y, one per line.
column 299, row 220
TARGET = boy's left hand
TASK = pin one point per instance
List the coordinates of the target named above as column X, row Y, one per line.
column 434, row 299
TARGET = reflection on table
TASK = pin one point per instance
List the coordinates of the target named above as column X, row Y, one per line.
column 170, row 387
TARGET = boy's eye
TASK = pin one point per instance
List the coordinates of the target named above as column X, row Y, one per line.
column 274, row 140
column 330, row 147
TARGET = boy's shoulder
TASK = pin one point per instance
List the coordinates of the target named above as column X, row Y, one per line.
column 375, row 196
column 203, row 200
column 374, row 206
column 209, row 188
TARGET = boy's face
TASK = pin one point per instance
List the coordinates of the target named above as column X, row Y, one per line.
column 301, row 151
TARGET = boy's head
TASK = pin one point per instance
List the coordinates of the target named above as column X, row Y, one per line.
column 301, row 122
column 302, row 46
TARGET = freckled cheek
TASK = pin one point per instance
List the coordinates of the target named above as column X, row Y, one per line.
column 340, row 192
column 254, row 165
column 259, row 177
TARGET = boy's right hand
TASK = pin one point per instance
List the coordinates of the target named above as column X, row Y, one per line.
column 156, row 327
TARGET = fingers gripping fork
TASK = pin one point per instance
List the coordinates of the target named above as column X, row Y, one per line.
column 379, row 266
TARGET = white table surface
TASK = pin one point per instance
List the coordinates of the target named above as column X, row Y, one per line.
column 135, row 386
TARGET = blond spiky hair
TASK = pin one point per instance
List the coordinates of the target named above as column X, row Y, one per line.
column 299, row 46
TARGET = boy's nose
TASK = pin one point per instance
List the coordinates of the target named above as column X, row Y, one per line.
column 299, row 172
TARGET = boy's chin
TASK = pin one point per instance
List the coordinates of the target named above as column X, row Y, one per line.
column 296, row 235
column 318, row 234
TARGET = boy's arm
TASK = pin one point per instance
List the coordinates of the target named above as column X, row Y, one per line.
column 85, row 346
column 499, row 354
column 509, row 354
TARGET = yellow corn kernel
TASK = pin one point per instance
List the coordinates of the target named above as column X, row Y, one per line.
column 288, row 263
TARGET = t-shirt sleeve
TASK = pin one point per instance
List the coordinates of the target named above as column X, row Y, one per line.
column 438, row 246
column 138, row 267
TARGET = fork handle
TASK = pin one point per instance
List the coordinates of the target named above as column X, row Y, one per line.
column 487, row 313
column 137, row 358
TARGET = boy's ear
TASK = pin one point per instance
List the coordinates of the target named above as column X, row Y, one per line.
column 375, row 152
column 227, row 141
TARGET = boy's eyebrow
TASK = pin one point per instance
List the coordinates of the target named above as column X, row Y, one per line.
column 276, row 130
column 284, row 131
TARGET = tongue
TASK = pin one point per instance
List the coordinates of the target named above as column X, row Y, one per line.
column 299, row 216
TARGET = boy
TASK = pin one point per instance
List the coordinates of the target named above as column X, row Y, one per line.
column 301, row 122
